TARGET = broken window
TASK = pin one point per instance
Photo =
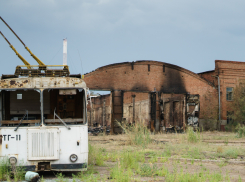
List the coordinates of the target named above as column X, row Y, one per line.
column 230, row 117
column 229, row 93
column 67, row 105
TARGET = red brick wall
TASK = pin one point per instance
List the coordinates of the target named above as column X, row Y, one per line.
column 209, row 76
column 139, row 96
column 161, row 77
column 230, row 72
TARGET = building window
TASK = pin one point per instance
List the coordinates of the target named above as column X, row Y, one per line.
column 229, row 93
column 229, row 116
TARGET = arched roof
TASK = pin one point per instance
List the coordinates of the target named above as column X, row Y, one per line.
column 146, row 62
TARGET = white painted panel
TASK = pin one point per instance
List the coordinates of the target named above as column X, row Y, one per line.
column 18, row 143
column 68, row 92
column 43, row 144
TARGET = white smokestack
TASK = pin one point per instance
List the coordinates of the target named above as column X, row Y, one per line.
column 64, row 51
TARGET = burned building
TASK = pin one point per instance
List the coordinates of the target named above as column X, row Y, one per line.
column 99, row 110
column 160, row 94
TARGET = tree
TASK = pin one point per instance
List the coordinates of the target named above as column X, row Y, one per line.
column 237, row 106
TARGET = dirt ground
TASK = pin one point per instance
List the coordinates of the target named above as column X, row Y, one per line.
column 220, row 153
column 215, row 156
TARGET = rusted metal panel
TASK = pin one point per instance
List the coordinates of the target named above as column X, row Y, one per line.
column 181, row 110
column 174, row 112
column 153, row 109
column 167, row 113
column 117, row 113
column 41, row 82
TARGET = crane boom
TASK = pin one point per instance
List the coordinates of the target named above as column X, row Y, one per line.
column 35, row 57
column 12, row 47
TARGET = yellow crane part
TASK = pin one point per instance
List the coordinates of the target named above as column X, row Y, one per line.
column 22, row 59
column 12, row 47
column 35, row 57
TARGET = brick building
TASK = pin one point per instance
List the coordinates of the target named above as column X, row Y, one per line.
column 229, row 73
column 158, row 93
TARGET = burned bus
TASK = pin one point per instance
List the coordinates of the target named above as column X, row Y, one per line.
column 43, row 123
column 43, row 116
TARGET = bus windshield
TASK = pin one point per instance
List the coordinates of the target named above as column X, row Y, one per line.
column 28, row 107
column 66, row 105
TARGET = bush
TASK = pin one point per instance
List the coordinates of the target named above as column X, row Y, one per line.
column 240, row 130
column 121, row 174
column 17, row 173
column 4, row 169
column 148, row 170
column 96, row 156
column 192, row 136
column 138, row 134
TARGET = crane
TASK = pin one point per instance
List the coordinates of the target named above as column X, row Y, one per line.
column 35, row 57
column 42, row 69
column 12, row 47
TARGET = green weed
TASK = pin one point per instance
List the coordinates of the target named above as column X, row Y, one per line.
column 226, row 141
column 240, row 131
column 88, row 176
column 60, row 178
column 229, row 153
column 96, row 156
column 148, row 170
column 120, row 174
column 138, row 134
column 193, row 137
column 222, row 164
column 194, row 153
column 4, row 169
column 163, row 171
column 8, row 172
column 153, row 159
column 129, row 160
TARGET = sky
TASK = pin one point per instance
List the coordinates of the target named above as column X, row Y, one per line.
column 191, row 34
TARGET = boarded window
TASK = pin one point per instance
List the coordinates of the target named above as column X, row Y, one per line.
column 229, row 93
column 230, row 117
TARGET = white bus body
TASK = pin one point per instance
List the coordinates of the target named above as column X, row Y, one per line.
column 53, row 133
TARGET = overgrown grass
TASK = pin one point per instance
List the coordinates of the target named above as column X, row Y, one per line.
column 4, row 169
column 231, row 153
column 138, row 134
column 88, row 176
column 10, row 173
column 97, row 156
column 201, row 176
column 61, row 178
column 240, row 131
column 135, row 160
column 193, row 137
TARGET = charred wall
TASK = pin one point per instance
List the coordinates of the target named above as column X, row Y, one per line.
column 154, row 78
column 136, row 107
column 99, row 110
